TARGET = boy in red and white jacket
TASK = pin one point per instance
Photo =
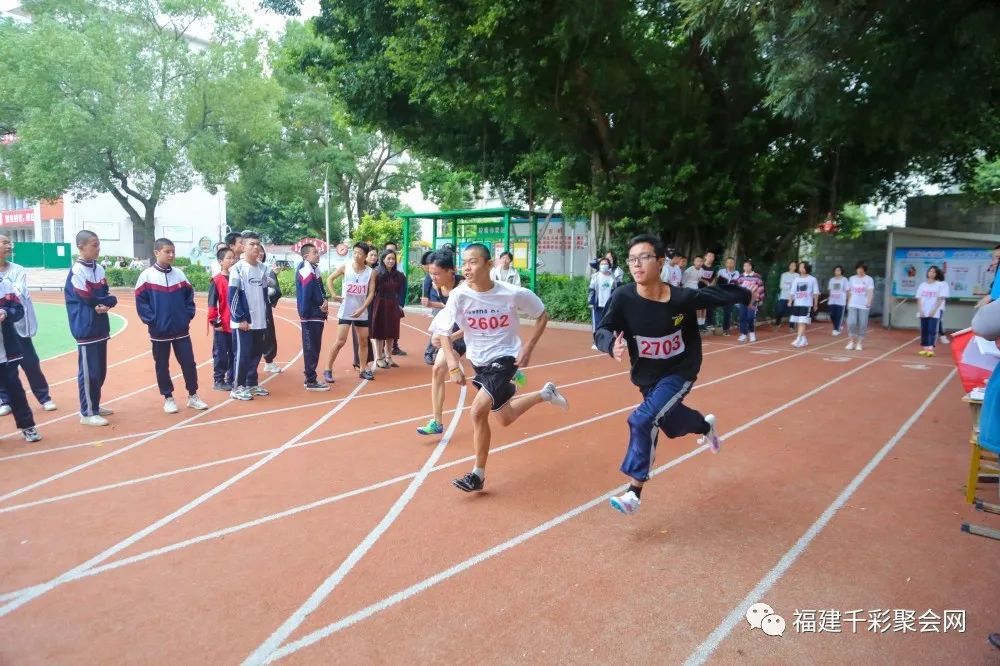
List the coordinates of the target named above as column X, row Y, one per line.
column 164, row 300
column 223, row 366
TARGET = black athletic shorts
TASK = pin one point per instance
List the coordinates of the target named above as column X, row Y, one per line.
column 497, row 380
column 360, row 323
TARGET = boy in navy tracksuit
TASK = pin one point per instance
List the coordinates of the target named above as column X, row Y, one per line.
column 164, row 300
column 248, row 315
column 223, row 365
column 11, row 311
column 310, row 297
column 87, row 303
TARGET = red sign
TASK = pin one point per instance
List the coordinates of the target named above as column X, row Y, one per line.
column 24, row 217
column 320, row 245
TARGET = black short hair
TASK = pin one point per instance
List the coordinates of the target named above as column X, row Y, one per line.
column 250, row 234
column 657, row 244
column 392, row 243
column 84, row 237
column 506, row 253
column 809, row 268
column 221, row 252
column 840, row 267
column 861, row 265
column 747, row 261
column 232, row 237
column 481, row 248
column 427, row 258
column 364, row 246
column 938, row 273
column 161, row 243
column 305, row 248
column 444, row 260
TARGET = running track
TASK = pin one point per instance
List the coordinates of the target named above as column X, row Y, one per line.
column 319, row 528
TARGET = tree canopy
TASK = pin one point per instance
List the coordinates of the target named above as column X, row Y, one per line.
column 126, row 97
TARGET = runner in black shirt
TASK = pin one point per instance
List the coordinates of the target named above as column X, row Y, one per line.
column 657, row 324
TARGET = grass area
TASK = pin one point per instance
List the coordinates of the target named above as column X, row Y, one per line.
column 53, row 337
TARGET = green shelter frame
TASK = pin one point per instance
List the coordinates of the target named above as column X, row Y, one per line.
column 464, row 218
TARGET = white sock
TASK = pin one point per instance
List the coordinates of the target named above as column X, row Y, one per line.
column 480, row 472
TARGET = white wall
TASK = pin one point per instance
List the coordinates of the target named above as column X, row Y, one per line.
column 184, row 218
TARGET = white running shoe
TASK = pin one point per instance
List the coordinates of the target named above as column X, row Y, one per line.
column 49, row 406
column 804, row 343
column 627, row 503
column 850, row 345
column 169, row 406
column 241, row 393
column 742, row 338
column 797, row 342
column 594, row 347
column 945, row 340
column 93, row 421
column 272, row 367
column 753, row 337
column 712, row 438
column 5, row 410
column 104, row 411
column 194, row 402
column 551, row 394
column 859, row 347
column 836, row 332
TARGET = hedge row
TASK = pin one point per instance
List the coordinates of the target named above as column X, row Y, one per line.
column 126, row 277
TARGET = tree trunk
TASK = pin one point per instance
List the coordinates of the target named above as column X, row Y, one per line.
column 142, row 247
column 732, row 248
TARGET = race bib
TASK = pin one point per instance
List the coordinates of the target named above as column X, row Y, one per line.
column 357, row 289
column 491, row 323
column 660, row 348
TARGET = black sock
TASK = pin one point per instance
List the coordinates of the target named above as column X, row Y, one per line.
column 636, row 489
column 705, row 428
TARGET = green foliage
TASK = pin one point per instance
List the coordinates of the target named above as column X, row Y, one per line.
column 286, row 282
column 182, row 262
column 112, row 97
column 381, row 229
column 449, row 188
column 122, row 277
column 565, row 297
column 198, row 277
column 985, row 185
column 852, row 221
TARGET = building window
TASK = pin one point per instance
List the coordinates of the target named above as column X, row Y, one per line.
column 46, row 228
column 57, row 226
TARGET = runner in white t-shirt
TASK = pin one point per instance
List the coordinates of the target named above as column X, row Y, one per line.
column 357, row 292
column 860, row 292
column 803, row 301
column 930, row 307
column 487, row 314
column 836, row 299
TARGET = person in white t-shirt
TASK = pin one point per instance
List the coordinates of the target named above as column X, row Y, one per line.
column 784, row 293
column 803, row 301
column 930, row 306
column 487, row 314
column 602, row 283
column 860, row 293
column 837, row 297
column 503, row 272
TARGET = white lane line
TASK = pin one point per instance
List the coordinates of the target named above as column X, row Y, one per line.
column 253, row 454
column 327, row 587
column 704, row 651
column 382, row 484
column 113, row 365
column 75, row 572
column 117, row 452
column 320, row 403
column 441, row 576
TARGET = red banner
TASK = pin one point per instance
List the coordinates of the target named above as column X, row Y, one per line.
column 974, row 366
column 24, row 217
column 320, row 245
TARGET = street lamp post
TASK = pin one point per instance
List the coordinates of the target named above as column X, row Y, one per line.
column 326, row 212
